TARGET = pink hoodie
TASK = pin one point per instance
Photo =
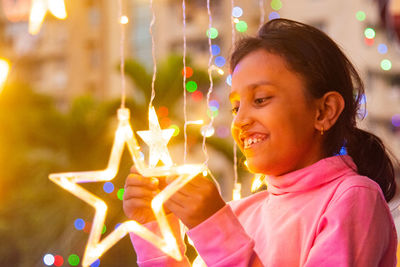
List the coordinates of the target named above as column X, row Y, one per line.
column 322, row 215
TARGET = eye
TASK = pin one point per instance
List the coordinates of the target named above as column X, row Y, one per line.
column 235, row 110
column 261, row 100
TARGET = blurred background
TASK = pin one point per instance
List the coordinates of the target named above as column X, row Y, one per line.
column 60, row 89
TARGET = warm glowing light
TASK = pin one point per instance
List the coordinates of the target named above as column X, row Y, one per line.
column 207, row 130
column 197, row 122
column 124, row 20
column 38, row 12
column 236, row 20
column 258, row 181
column 4, row 70
column 157, row 140
column 237, row 191
column 124, row 135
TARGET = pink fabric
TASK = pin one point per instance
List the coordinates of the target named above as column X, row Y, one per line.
column 323, row 215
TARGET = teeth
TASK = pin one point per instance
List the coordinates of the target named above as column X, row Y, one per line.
column 252, row 140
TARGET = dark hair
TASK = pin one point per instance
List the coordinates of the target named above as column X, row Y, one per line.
column 318, row 59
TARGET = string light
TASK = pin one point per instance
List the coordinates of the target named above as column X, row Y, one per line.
column 237, row 191
column 124, row 135
column 4, row 71
column 48, row 259
column 38, row 12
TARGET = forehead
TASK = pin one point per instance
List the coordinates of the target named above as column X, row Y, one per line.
column 263, row 68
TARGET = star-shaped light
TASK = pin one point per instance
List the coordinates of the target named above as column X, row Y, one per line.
column 157, row 140
column 69, row 181
column 38, row 13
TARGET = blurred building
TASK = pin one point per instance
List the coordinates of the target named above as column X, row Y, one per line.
column 67, row 58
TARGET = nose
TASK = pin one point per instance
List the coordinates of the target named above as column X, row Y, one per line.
column 242, row 119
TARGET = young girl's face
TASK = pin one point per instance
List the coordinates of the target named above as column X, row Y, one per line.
column 273, row 121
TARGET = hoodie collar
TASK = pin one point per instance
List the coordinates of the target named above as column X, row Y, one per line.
column 321, row 172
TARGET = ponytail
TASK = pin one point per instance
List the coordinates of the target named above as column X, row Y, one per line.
column 373, row 160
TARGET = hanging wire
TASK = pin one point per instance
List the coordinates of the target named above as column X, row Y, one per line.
column 262, row 12
column 153, row 20
column 122, row 55
column 210, row 89
column 184, row 80
column 233, row 24
column 235, row 172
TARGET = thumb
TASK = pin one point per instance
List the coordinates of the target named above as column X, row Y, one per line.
column 169, row 179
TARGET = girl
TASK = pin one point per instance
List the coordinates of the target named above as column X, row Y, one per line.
column 295, row 98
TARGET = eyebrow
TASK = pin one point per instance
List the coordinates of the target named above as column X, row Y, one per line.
column 252, row 86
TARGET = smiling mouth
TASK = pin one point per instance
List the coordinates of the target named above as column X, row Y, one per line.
column 250, row 141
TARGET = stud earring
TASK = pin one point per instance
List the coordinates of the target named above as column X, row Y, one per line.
column 322, row 130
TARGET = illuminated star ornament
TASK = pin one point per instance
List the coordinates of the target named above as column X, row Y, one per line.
column 39, row 10
column 157, row 140
column 124, row 135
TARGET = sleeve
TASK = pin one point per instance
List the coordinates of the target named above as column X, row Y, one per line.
column 148, row 255
column 221, row 241
column 356, row 230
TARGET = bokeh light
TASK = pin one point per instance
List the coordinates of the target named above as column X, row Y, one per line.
column 276, row 4
column 108, row 187
column 273, row 15
column 96, row 263
column 165, row 122
column 104, row 229
column 197, row 96
column 223, row 132
column 117, row 225
column 124, row 20
column 215, row 50
column 220, row 61
column 237, row 12
column 176, row 128
column 73, row 260
column 396, row 120
column 360, row 15
column 48, row 259
column 4, row 70
column 207, row 130
column 368, row 42
column 212, row 112
column 120, row 194
column 382, row 49
column 58, row 260
column 191, row 86
column 212, row 33
column 229, row 80
column 79, row 224
column 369, row 33
column 386, row 64
column 162, row 111
column 241, row 26
column 214, row 103
column 189, row 72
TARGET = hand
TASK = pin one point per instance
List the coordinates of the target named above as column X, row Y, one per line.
column 139, row 192
column 196, row 201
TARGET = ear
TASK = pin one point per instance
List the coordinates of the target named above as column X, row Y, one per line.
column 329, row 108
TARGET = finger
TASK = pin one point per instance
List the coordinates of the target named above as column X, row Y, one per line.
column 134, row 170
column 138, row 192
column 174, row 206
column 138, row 180
column 136, row 203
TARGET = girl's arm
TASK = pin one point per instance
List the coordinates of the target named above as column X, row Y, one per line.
column 356, row 230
